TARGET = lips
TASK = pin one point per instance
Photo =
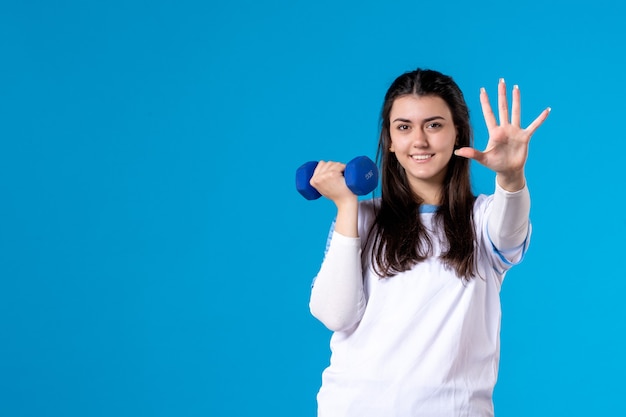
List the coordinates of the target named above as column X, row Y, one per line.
column 422, row 157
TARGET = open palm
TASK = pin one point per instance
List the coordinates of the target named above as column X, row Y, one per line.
column 507, row 147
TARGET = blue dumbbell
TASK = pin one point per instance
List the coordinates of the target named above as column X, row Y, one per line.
column 361, row 176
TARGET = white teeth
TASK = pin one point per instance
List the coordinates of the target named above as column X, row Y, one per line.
column 421, row 157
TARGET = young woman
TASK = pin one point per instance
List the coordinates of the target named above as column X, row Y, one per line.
column 410, row 281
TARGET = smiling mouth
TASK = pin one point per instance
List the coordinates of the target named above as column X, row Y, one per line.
column 422, row 157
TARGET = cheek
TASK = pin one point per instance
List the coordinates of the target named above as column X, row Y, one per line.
column 397, row 143
column 449, row 141
column 392, row 145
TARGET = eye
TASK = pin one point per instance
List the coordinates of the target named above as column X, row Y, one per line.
column 433, row 125
column 403, row 127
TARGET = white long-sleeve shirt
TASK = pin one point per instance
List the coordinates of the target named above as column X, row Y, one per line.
column 424, row 342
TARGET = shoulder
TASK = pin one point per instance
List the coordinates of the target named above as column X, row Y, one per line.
column 367, row 214
column 368, row 208
column 369, row 204
column 482, row 204
column 481, row 210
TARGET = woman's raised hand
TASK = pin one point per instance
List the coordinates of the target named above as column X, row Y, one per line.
column 507, row 147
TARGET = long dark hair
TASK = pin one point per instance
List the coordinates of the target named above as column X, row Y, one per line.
column 398, row 237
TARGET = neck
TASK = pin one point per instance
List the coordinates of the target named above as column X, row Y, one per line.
column 428, row 193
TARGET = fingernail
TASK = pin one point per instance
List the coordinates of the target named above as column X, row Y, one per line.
column 549, row 108
column 516, row 87
column 482, row 89
column 501, row 80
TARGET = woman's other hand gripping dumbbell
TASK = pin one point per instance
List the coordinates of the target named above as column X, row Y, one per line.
column 359, row 176
column 328, row 179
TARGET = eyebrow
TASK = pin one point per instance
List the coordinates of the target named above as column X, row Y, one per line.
column 428, row 119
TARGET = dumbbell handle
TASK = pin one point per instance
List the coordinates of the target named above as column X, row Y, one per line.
column 361, row 176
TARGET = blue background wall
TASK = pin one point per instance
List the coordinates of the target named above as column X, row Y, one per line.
column 155, row 258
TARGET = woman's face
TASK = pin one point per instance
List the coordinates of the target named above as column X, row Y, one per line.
column 423, row 136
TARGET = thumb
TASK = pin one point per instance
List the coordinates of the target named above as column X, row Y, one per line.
column 470, row 153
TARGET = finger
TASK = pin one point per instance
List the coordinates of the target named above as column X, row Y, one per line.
column 469, row 153
column 323, row 166
column 503, row 106
column 490, row 118
column 516, row 107
column 320, row 167
column 538, row 121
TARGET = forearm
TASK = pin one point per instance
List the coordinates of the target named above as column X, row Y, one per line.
column 337, row 297
column 346, row 222
column 509, row 218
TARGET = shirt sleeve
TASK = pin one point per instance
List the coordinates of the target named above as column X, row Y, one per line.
column 337, row 295
column 508, row 224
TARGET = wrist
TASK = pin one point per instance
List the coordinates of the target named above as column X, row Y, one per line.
column 511, row 182
column 347, row 218
column 349, row 202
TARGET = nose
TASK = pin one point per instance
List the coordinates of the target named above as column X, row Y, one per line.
column 420, row 139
